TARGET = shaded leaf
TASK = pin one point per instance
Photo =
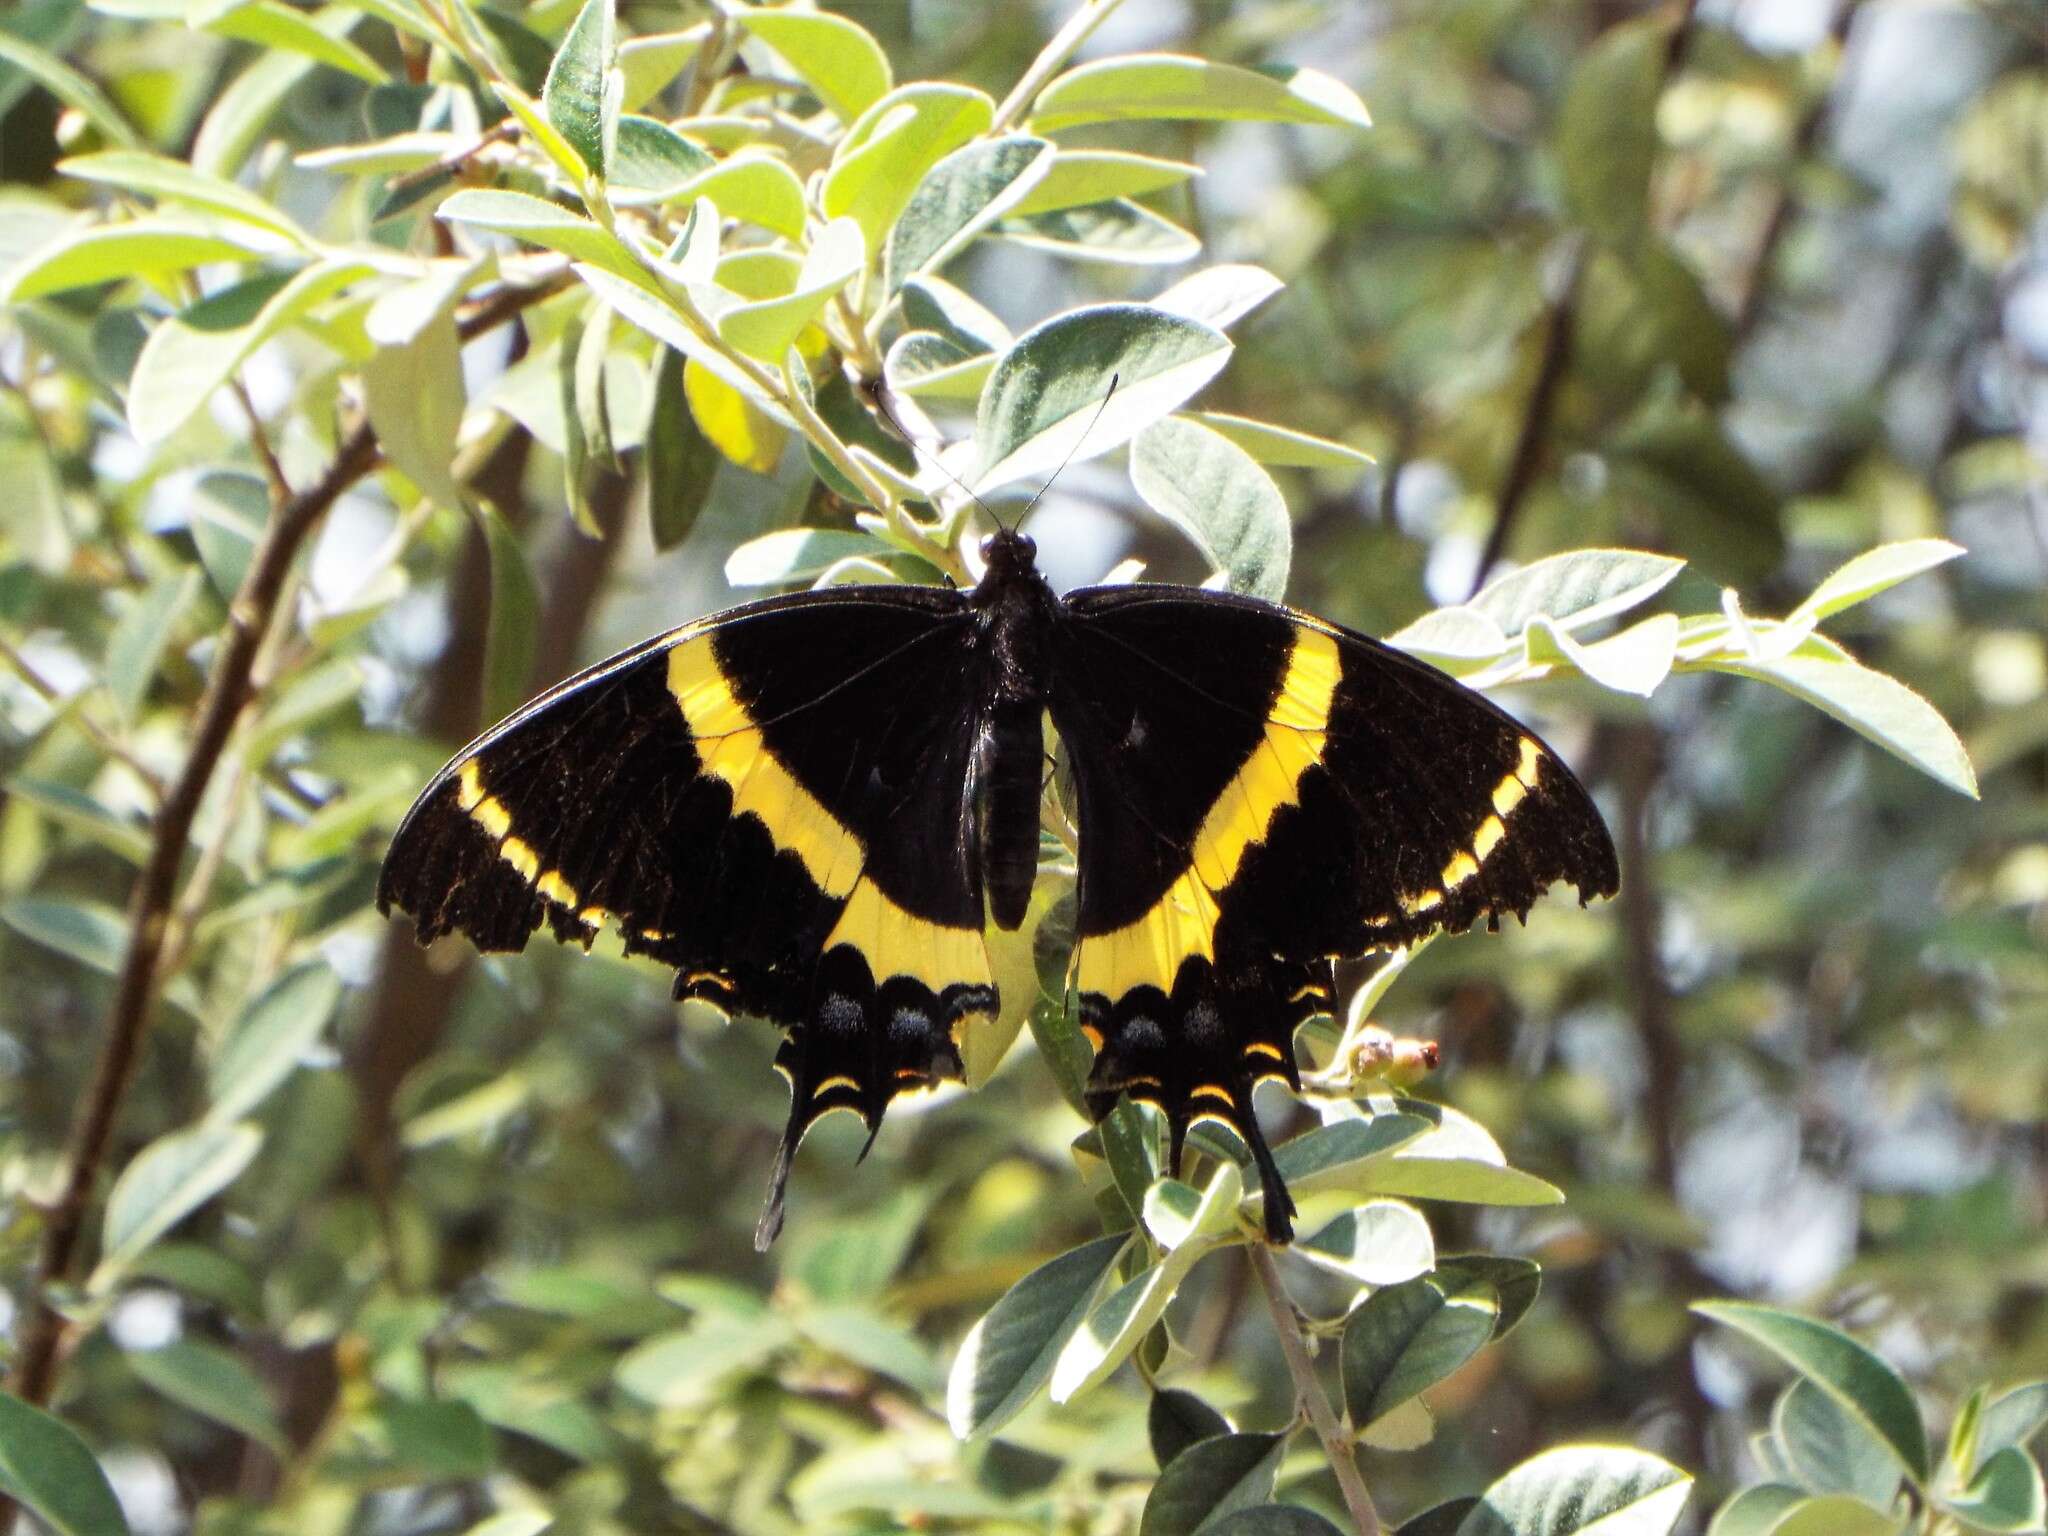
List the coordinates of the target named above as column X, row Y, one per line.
column 1216, row 493
column 1607, row 129
column 1078, row 177
column 137, row 644
column 1209, row 1480
column 2005, row 1495
column 682, row 465
column 1405, row 1338
column 211, row 1381
column 1175, row 1420
column 164, row 1183
column 270, row 1038
column 1010, row 1353
column 958, row 198
column 574, row 93
column 1857, row 1379
column 1044, row 397
column 1120, row 232
column 45, row 1466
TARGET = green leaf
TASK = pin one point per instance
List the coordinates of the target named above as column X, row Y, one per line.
column 1516, row 1282
column 1454, row 1161
column 172, row 181
column 1439, row 1519
column 1188, row 1226
column 927, row 365
column 166, row 1181
column 649, row 64
column 1408, row 1337
column 90, row 932
column 1119, row 232
column 886, row 152
column 267, row 1042
column 791, row 555
column 756, row 187
column 193, row 353
column 2012, row 1418
column 1458, row 639
column 514, row 627
column 960, row 197
column 242, row 111
column 682, row 466
column 2005, row 1495
column 1211, row 1479
column 539, row 222
column 513, row 1522
column 652, row 158
column 107, row 253
column 1576, row 589
column 1870, row 703
column 844, row 66
column 1382, row 1242
column 1175, row 1420
column 91, row 819
column 574, row 94
column 1078, row 177
column 1216, row 493
column 137, row 645
column 1272, row 1520
column 1283, row 446
column 930, row 303
column 69, row 87
column 1608, row 1489
column 587, row 402
column 1150, row 87
column 1010, row 1353
column 414, row 395
column 1045, row 398
column 1220, row 295
column 211, row 1381
column 45, row 1466
column 1755, row 1511
column 1334, row 1156
column 1607, row 129
column 225, row 519
column 441, row 1441
column 1873, row 571
column 275, row 27
column 660, row 317
column 534, row 119
column 1635, row 661
column 1835, row 1515
column 767, row 328
column 1830, row 1449
column 1857, row 1379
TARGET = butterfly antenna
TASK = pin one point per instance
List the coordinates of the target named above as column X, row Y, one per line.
column 1093, row 422
column 879, row 393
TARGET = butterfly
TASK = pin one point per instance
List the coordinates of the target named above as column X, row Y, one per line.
column 810, row 807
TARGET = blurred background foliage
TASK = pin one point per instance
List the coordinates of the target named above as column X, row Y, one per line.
column 495, row 1246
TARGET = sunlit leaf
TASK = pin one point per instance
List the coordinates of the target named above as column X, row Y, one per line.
column 1150, row 87
column 1216, row 494
column 1872, row 572
column 1603, row 1489
column 837, row 59
column 574, row 94
column 1010, row 1353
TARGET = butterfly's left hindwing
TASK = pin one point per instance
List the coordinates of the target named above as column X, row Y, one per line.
column 1259, row 793
column 749, row 801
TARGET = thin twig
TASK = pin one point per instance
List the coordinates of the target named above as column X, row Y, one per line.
column 1534, row 432
column 1784, row 205
column 1309, row 1390
column 56, row 698
column 1065, row 42
column 259, row 440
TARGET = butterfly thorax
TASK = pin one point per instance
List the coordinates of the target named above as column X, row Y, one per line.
column 1015, row 611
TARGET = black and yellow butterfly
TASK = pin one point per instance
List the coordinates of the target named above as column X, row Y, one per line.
column 810, row 807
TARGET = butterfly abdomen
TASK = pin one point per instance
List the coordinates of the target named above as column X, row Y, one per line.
column 1016, row 611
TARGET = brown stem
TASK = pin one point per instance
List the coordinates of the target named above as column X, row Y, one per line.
column 228, row 691
column 1527, row 459
column 1309, row 1390
column 1749, row 308
column 1557, row 352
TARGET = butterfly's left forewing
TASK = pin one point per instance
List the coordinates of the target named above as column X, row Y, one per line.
column 1258, row 793
column 750, row 801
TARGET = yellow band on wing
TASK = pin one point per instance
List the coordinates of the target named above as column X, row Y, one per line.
column 1183, row 921
column 897, row 943
column 730, row 747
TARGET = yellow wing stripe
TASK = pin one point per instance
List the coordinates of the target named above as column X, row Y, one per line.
column 896, row 943
column 730, row 747
column 1465, row 864
column 489, row 812
column 1183, row 921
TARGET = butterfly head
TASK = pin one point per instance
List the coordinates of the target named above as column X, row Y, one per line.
column 1007, row 552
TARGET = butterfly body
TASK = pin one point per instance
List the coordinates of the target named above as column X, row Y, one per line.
column 812, row 806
